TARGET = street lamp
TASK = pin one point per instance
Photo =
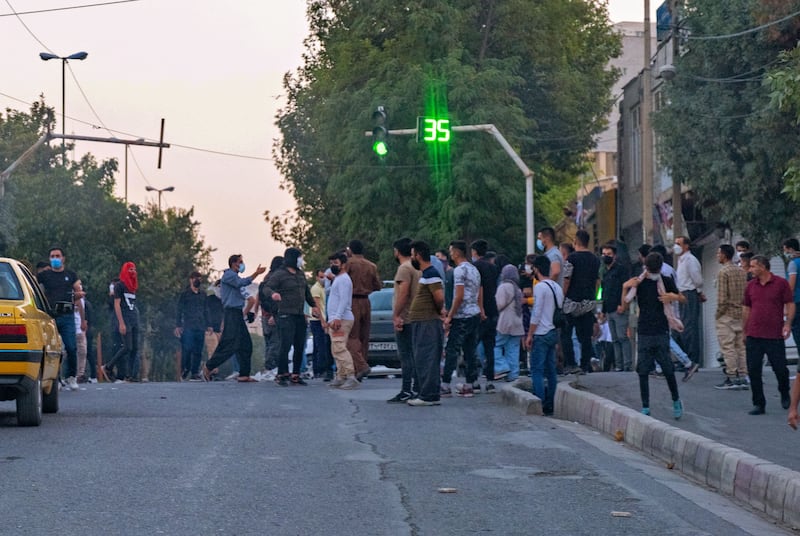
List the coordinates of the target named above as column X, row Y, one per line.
column 159, row 190
column 45, row 56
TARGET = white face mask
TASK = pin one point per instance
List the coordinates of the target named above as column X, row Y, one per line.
column 300, row 262
column 528, row 269
column 653, row 277
column 677, row 250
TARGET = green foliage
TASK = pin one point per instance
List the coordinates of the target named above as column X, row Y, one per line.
column 469, row 60
column 723, row 132
column 73, row 207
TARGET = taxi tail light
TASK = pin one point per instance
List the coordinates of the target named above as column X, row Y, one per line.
column 13, row 333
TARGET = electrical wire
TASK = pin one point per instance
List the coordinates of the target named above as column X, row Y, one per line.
column 50, row 10
column 14, row 13
column 743, row 32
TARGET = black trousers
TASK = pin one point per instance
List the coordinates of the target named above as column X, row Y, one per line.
column 775, row 350
column 235, row 339
column 293, row 333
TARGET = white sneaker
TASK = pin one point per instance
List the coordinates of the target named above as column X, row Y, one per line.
column 232, row 376
column 119, row 381
column 92, row 380
column 72, row 383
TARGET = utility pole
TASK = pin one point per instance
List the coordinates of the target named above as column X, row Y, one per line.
column 647, row 135
column 677, row 199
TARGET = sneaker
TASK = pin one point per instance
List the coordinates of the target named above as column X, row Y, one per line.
column 595, row 364
column 465, row 390
column 119, row 381
column 575, row 370
column 282, row 381
column 402, row 396
column 490, row 390
column 82, row 379
column 350, row 383
column 92, row 380
column 645, row 411
column 232, row 376
column 337, row 382
column 196, row 378
column 308, row 375
column 786, row 401
column 727, row 384
column 499, row 376
column 72, row 383
column 476, row 388
column 742, row 383
column 418, row 402
column 690, row 372
column 328, row 376
column 445, row 392
column 757, row 410
column 363, row 374
column 677, row 409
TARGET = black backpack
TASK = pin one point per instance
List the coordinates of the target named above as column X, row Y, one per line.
column 559, row 319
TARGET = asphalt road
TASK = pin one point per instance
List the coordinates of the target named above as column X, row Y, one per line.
column 225, row 458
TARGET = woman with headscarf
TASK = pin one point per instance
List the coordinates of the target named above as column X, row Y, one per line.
column 127, row 316
column 509, row 324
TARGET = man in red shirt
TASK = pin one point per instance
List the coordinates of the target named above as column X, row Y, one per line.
column 767, row 319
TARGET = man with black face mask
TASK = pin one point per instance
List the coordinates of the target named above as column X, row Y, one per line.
column 288, row 287
column 616, row 274
column 191, row 323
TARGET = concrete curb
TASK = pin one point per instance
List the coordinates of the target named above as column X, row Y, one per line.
column 518, row 394
column 767, row 487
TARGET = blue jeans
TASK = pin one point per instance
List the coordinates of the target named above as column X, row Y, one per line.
column 506, row 354
column 66, row 328
column 543, row 365
column 192, row 341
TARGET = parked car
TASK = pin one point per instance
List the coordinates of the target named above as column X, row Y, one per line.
column 382, row 344
column 30, row 347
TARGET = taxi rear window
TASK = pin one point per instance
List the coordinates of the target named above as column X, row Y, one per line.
column 9, row 285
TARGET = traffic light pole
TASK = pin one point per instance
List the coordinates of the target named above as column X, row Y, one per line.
column 530, row 235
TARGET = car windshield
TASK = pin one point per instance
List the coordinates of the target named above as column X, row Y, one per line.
column 9, row 285
column 381, row 300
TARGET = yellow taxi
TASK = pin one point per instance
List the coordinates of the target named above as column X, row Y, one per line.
column 30, row 347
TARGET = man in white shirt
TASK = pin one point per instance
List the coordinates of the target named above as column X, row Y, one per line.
column 340, row 322
column 690, row 284
column 542, row 335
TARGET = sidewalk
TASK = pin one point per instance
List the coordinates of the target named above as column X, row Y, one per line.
column 716, row 443
column 717, row 415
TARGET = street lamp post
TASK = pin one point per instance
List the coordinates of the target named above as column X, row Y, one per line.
column 45, row 56
column 160, row 191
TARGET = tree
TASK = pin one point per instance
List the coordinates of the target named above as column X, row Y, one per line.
column 74, row 207
column 546, row 88
column 719, row 133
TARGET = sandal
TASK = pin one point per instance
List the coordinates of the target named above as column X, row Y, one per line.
column 297, row 380
column 246, row 379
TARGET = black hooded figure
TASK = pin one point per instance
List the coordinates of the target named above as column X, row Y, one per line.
column 287, row 287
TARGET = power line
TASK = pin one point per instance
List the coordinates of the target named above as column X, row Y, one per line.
column 15, row 14
column 50, row 10
column 743, row 32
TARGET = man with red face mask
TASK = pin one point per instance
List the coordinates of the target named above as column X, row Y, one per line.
column 127, row 316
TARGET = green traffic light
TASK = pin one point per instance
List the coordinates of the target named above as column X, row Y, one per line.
column 380, row 148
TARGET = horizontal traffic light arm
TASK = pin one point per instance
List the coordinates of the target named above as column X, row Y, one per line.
column 491, row 129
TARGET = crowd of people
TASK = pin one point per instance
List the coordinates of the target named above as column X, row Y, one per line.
column 566, row 310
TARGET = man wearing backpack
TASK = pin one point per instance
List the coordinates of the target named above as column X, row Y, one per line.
column 543, row 335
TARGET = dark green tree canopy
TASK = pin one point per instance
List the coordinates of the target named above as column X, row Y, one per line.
column 536, row 70
column 719, row 133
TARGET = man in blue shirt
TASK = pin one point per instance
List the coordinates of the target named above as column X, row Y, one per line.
column 235, row 337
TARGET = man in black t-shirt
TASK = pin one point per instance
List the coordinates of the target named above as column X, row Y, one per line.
column 654, row 292
column 581, row 286
column 63, row 290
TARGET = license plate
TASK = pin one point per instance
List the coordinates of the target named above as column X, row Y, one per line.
column 382, row 346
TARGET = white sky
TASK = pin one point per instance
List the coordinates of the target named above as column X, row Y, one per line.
column 212, row 69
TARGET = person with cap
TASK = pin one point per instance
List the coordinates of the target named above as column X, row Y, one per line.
column 287, row 287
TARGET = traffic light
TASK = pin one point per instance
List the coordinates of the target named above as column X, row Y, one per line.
column 379, row 133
